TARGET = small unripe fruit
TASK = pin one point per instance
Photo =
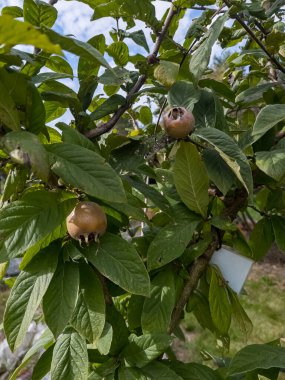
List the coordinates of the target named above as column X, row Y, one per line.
column 178, row 122
column 85, row 221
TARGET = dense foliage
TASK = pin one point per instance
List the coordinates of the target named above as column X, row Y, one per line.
column 112, row 307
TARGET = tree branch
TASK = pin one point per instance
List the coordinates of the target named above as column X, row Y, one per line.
column 233, row 205
column 256, row 39
column 195, row 272
column 52, row 2
column 106, row 127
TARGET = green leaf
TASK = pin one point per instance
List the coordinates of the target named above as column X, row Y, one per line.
column 110, row 105
column 13, row 11
column 61, row 296
column 194, row 371
column 239, row 315
column 86, row 67
column 3, row 269
column 129, row 10
column 201, row 57
column 134, row 312
column 27, row 98
column 201, row 311
column 278, row 224
column 166, row 72
column 272, row 163
column 80, row 48
column 218, row 171
column 25, row 149
column 120, row 331
column 267, row 118
column 72, row 136
column 59, row 65
column 55, row 91
column 57, row 233
column 145, row 115
column 70, row 358
column 195, row 250
column 261, row 238
column 150, row 193
column 27, row 294
column 105, row 371
column 191, row 178
column 87, row 171
column 44, row 77
column 139, row 38
column 157, row 370
column 120, row 52
column 223, row 223
column 252, row 94
column 8, row 113
column 24, row 223
column 118, row 260
column 257, row 356
column 208, row 111
column 183, row 94
column 222, row 89
column 230, row 153
column 14, row 32
column 105, row 341
column 144, row 349
column 15, row 183
column 89, row 314
column 53, row 110
column 129, row 373
column 44, row 341
column 220, row 306
column 43, row 365
column 274, row 7
column 39, row 13
column 114, row 77
column 171, row 241
column 85, row 94
column 132, row 209
column 160, row 303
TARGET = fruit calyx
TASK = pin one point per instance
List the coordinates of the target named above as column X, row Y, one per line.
column 86, row 222
column 178, row 122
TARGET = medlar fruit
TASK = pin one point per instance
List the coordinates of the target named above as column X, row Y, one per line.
column 178, row 122
column 86, row 221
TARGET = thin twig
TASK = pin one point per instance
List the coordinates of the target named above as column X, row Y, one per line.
column 106, row 127
column 195, row 272
column 188, row 51
column 257, row 40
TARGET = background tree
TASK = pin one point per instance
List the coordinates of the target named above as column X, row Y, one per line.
column 113, row 306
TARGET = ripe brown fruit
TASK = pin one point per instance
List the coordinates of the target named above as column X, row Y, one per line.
column 86, row 221
column 178, row 122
